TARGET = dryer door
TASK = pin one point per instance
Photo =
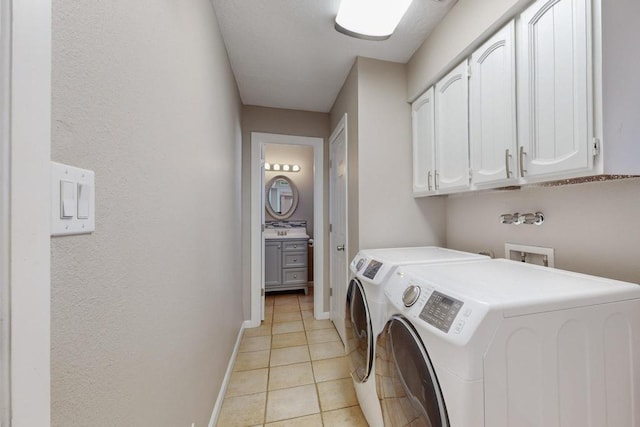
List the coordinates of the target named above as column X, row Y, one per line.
column 359, row 332
column 407, row 385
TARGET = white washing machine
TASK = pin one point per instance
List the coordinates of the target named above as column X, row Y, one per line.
column 501, row 343
column 365, row 308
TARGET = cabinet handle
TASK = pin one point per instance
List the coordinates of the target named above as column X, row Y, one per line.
column 436, row 179
column 507, row 157
column 522, row 154
column 295, row 260
column 429, row 181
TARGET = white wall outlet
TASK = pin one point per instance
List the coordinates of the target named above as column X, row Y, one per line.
column 73, row 200
column 531, row 254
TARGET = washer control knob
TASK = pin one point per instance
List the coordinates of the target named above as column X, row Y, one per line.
column 410, row 295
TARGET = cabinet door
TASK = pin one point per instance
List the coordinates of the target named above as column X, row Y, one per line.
column 554, row 88
column 272, row 263
column 492, row 115
column 423, row 117
column 452, row 131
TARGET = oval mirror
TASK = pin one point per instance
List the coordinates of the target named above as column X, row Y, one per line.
column 281, row 197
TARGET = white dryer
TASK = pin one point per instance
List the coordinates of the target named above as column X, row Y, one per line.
column 366, row 305
column 500, row 343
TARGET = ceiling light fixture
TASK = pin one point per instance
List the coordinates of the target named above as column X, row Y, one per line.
column 370, row 19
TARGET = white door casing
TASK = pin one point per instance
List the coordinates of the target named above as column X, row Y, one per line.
column 554, row 88
column 262, row 248
column 492, row 115
column 258, row 140
column 452, row 130
column 339, row 273
column 423, row 127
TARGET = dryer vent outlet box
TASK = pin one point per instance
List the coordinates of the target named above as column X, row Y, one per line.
column 530, row 254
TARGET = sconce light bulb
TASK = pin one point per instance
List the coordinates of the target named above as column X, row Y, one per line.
column 267, row 166
column 276, row 167
column 286, row 168
column 296, row 168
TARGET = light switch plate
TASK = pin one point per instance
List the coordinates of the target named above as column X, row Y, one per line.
column 80, row 218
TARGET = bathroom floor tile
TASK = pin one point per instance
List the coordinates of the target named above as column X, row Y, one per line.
column 306, row 306
column 289, row 355
column 292, row 402
column 322, row 335
column 287, row 327
column 290, row 376
column 326, row 350
column 314, row 420
column 262, row 330
column 255, row 343
column 331, row 369
column 243, row 411
column 252, row 360
column 247, row 382
column 290, row 316
column 307, row 314
column 337, row 394
column 286, row 300
column 288, row 340
column 346, row 417
column 288, row 308
column 312, row 324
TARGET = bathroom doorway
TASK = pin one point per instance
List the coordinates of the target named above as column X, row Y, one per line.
column 267, row 150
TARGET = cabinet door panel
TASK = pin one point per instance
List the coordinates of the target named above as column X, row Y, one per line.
column 452, row 130
column 554, row 88
column 422, row 112
column 272, row 263
column 492, row 117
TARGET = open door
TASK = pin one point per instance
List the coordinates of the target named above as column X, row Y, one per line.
column 338, row 228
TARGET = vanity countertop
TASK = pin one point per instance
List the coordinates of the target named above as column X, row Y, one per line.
column 285, row 233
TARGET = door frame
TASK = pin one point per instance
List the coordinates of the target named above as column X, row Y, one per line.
column 340, row 127
column 258, row 139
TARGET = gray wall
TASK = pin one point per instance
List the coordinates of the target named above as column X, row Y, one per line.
column 591, row 226
column 285, row 122
column 303, row 180
column 146, row 310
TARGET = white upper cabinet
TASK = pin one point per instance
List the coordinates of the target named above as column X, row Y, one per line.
column 452, row 131
column 422, row 114
column 554, row 90
column 492, row 115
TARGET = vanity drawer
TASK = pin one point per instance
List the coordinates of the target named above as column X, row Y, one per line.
column 294, row 275
column 294, row 259
column 294, row 245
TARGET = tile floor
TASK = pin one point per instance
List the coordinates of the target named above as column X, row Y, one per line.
column 291, row 372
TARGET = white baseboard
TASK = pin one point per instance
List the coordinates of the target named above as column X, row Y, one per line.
column 322, row 315
column 251, row 324
column 227, row 377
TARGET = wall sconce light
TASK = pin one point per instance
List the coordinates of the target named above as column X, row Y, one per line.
column 281, row 167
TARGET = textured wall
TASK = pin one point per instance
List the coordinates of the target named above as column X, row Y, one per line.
column 146, row 310
column 285, row 122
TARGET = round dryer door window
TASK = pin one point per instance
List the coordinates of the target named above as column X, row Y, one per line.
column 406, row 381
column 359, row 332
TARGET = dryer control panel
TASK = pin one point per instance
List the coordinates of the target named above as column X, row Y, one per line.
column 440, row 310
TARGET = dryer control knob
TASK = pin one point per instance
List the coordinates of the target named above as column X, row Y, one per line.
column 410, row 295
column 359, row 264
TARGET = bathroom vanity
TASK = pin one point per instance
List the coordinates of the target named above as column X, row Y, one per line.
column 285, row 264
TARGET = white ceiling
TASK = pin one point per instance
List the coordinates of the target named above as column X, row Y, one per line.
column 286, row 53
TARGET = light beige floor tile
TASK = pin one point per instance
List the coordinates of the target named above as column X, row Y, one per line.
column 306, row 305
column 262, row 330
column 331, row 369
column 247, row 382
column 290, row 376
column 305, row 298
column 289, row 355
column 287, row 327
column 255, row 343
column 242, row 411
column 286, row 308
column 286, row 299
column 337, row 394
column 307, row 314
column 314, row 420
column 252, row 360
column 269, row 299
column 347, row 417
column 311, row 324
column 326, row 350
column 322, row 335
column 288, row 340
column 292, row 402
column 287, row 317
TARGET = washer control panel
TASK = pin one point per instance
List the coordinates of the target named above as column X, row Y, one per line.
column 372, row 269
column 440, row 310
